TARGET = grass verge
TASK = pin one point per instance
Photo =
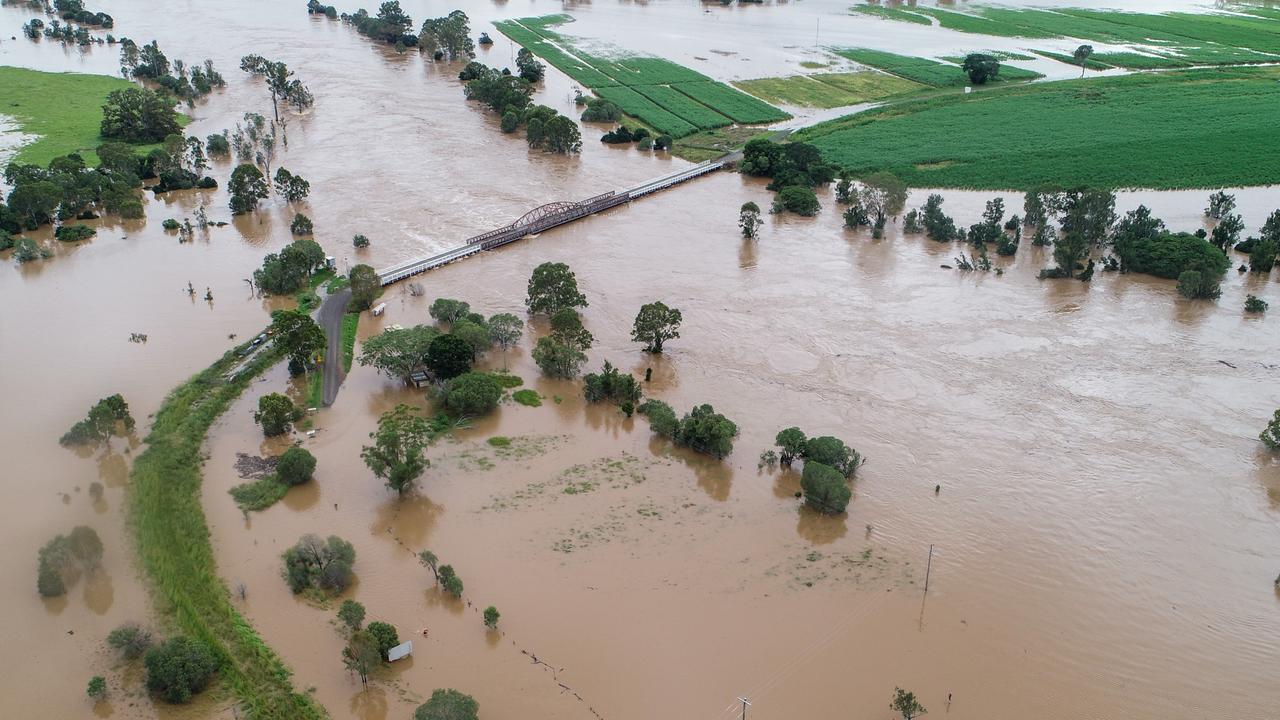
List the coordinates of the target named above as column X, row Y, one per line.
column 1133, row 131
column 173, row 542
column 350, row 322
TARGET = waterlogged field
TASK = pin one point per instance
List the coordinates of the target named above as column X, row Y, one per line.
column 828, row 90
column 667, row 96
column 924, row 70
column 1048, row 134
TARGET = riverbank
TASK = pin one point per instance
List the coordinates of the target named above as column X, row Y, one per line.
column 172, row 538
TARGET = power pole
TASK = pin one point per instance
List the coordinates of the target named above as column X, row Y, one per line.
column 928, row 567
column 744, row 707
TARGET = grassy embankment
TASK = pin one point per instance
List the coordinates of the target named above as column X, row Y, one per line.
column 63, row 109
column 662, row 95
column 1135, row 131
column 173, row 542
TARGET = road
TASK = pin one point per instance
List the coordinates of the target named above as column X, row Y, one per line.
column 331, row 312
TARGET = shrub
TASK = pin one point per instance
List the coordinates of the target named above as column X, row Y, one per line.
column 662, row 419
column 170, row 224
column 130, row 640
column 180, row 668
column 276, row 414
column 97, row 687
column 360, row 241
column 833, row 453
column 491, row 616
column 448, row 704
column 527, row 397
column 450, row 581
column 73, row 233
column 385, row 635
column 610, row 384
column 472, row 393
column 1255, row 304
column 1169, row 255
column 296, row 466
column 798, row 199
column 705, row 430
column 351, row 613
column 217, row 146
column 824, row 488
column 1270, row 436
column 1193, row 284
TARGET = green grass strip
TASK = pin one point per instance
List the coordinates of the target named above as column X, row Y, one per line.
column 892, row 14
column 1090, row 64
column 685, row 107
column 739, row 106
column 259, row 494
column 350, row 322
column 173, row 542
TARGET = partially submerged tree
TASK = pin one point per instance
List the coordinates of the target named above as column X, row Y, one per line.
column 906, row 705
column 351, row 613
column 398, row 352
column 749, row 219
column 981, row 68
column 398, row 451
column 505, row 329
column 825, row 488
column 246, row 187
column 276, row 414
column 450, row 581
column 1271, row 434
column 109, row 416
column 448, row 704
column 491, row 616
column 280, row 82
column 472, row 394
column 655, row 324
column 553, row 287
column 1081, row 56
column 180, row 668
column 321, row 564
column 361, row 656
column 706, row 431
column 366, row 286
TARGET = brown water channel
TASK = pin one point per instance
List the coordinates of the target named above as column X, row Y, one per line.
column 1105, row 537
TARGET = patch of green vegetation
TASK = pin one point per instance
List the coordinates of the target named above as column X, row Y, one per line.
column 1138, row 61
column 350, row 323
column 507, row 380
column 321, row 277
column 983, row 25
column 527, row 397
column 1226, row 30
column 259, row 494
column 688, row 109
column 315, row 389
column 921, row 70
column 63, row 109
column 633, row 103
column 337, row 284
column 1119, row 132
column 307, row 300
column 1001, row 55
column 828, row 90
column 714, row 143
column 1090, row 64
column 811, row 65
column 739, row 106
column 173, row 541
column 889, row 13
column 499, row 441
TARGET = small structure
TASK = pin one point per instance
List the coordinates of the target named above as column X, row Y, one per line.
column 330, row 262
column 404, row 649
column 379, row 309
column 419, row 379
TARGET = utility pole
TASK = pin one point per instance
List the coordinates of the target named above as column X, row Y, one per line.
column 744, row 707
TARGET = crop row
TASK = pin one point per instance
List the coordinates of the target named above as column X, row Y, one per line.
column 690, row 110
column 639, row 106
column 739, row 106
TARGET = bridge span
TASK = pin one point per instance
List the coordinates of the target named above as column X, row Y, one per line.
column 543, row 218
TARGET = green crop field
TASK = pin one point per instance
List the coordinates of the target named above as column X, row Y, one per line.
column 1090, row 64
column 892, row 14
column 1139, row 61
column 689, row 110
column 1255, row 34
column 1000, row 55
column 641, row 107
column 984, row 24
column 1131, row 131
column 739, row 106
column 677, row 112
column 828, row 90
column 921, row 70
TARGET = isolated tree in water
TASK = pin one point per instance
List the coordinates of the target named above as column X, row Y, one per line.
column 905, row 704
column 361, row 655
column 275, row 414
column 749, row 219
column 279, row 82
column 553, row 287
column 247, row 186
column 505, row 329
column 448, row 704
column 397, row 454
column 1081, row 56
column 654, row 324
column 981, row 68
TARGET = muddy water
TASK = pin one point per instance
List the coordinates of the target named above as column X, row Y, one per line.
column 1104, row 539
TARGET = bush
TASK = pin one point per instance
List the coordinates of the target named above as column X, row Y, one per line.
column 833, row 453
column 1270, row 436
column 662, row 419
column 351, row 613
column 450, row 581
column 527, row 397
column 97, row 687
column 73, row 233
column 610, row 384
column 385, row 634
column 360, row 241
column 180, row 668
column 825, row 488
column 601, row 110
column 1169, row 255
column 296, row 466
column 491, row 616
column 448, row 704
column 217, row 146
column 705, row 430
column 472, row 394
column 276, row 414
column 1255, row 304
column 170, row 224
column 130, row 640
column 1193, row 285
column 798, row 199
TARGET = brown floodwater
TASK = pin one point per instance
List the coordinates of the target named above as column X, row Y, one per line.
column 1105, row 538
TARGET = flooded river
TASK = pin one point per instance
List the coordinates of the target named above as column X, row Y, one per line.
column 1105, row 538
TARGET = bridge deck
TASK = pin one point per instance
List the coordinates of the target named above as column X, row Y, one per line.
column 544, row 218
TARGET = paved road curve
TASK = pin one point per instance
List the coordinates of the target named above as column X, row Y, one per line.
column 331, row 312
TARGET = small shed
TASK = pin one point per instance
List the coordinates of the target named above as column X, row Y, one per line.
column 379, row 309
column 404, row 649
column 419, row 379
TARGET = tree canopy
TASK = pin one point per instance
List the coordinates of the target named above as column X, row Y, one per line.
column 472, row 394
column 315, row 563
column 655, row 324
column 398, row 451
column 552, row 287
column 398, row 352
column 180, row 668
column 448, row 704
column 449, row 356
column 825, row 488
column 981, row 68
column 138, row 115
